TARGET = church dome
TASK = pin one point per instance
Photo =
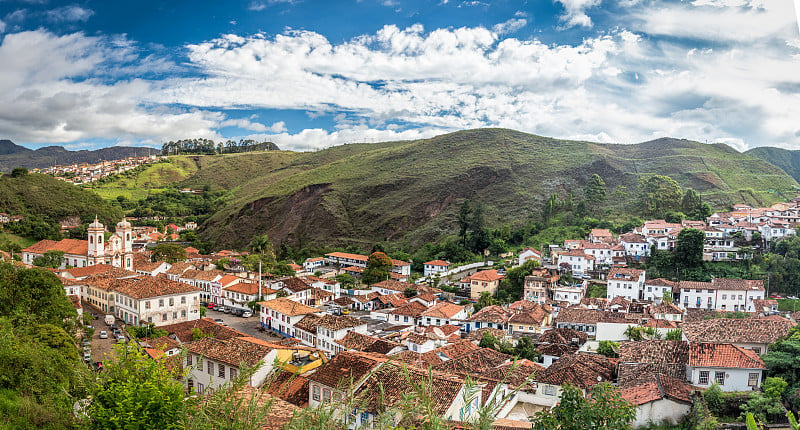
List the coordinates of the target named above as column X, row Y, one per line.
column 123, row 224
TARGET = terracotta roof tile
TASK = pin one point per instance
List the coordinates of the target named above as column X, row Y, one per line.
column 289, row 387
column 346, row 368
column 288, row 307
column 746, row 330
column 443, row 310
column 659, row 387
column 493, row 314
column 362, row 342
column 563, row 335
column 487, row 276
column 581, row 370
column 68, row 246
column 723, row 355
column 393, row 382
column 236, row 351
column 183, row 330
column 477, row 361
column 412, row 309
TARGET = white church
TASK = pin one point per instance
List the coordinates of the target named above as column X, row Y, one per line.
column 117, row 251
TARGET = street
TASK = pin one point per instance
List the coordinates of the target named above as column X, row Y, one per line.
column 248, row 326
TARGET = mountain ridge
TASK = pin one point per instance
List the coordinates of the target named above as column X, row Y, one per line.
column 409, row 191
column 13, row 155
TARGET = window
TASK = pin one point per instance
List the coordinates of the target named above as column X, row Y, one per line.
column 719, row 377
column 232, row 373
column 160, row 303
column 188, row 360
column 703, row 377
column 172, row 301
column 326, row 394
column 200, row 388
column 149, row 319
column 549, row 390
column 183, row 313
column 757, row 349
column 147, row 304
column 724, row 296
column 221, row 371
column 752, row 380
column 163, row 317
column 210, row 367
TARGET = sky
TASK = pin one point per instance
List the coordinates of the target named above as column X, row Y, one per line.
column 310, row 74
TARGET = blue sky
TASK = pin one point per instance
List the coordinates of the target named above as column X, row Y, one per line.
column 312, row 74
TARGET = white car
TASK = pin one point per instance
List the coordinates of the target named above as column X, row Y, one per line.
column 103, row 334
column 247, row 314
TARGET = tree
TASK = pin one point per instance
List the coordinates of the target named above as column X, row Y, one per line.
column 463, row 221
column 608, row 348
column 378, row 267
column 262, row 245
column 484, row 300
column 19, row 172
column 478, row 236
column 526, row 349
column 781, row 361
column 675, row 334
column 345, row 280
column 51, row 259
column 634, row 333
column 135, row 391
column 487, row 340
column 595, row 192
column 689, row 249
column 603, row 408
column 658, row 194
column 169, row 252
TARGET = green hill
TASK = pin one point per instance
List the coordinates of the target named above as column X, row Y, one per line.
column 410, row 191
column 52, row 199
column 787, row 160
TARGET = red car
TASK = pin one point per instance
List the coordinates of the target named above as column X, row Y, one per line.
column 210, row 306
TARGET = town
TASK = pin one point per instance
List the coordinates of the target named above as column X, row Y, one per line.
column 85, row 173
column 344, row 324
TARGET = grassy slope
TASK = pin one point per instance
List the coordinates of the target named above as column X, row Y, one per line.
column 154, row 178
column 787, row 160
column 36, row 194
column 409, row 191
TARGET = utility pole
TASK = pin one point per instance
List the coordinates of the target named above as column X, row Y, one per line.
column 259, row 280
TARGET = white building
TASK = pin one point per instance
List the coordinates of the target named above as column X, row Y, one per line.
column 213, row 362
column 627, row 283
column 281, row 315
column 721, row 294
column 435, row 266
column 147, row 300
column 732, row 367
column 117, row 252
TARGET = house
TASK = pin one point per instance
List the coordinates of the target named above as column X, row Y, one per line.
column 721, row 294
column 528, row 254
column 659, row 399
column 766, row 306
column 580, row 370
column 355, row 341
column 654, row 289
column 493, row 316
column 635, row 245
column 207, row 281
column 433, row 267
column 410, row 313
column 733, row 368
column 571, row 293
column 155, row 300
column 345, row 259
column 341, row 375
column 239, row 292
column 281, row 314
column 531, row 320
column 153, row 268
column 214, row 362
column 312, row 264
column 322, row 331
column 627, row 283
column 754, row 334
column 576, row 261
column 296, row 289
column 484, row 281
column 644, row 358
column 444, row 313
column 538, row 285
column 666, row 311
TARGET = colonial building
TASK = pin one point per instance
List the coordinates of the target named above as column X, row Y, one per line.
column 117, row 251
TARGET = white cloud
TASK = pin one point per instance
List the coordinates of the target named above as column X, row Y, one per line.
column 47, row 94
column 317, row 138
column 70, row 13
column 575, row 12
column 510, row 26
column 2, row 26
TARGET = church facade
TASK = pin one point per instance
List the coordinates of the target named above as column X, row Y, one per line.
column 117, row 251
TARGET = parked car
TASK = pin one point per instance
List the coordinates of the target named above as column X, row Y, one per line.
column 345, row 311
column 219, row 321
column 247, row 314
column 86, row 342
column 226, row 310
column 103, row 334
column 210, row 305
column 87, row 357
column 120, row 338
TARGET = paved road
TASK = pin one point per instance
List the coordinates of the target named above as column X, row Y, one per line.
column 248, row 326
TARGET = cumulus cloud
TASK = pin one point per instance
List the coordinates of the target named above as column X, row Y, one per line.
column 48, row 94
column 2, row 26
column 575, row 12
column 317, row 138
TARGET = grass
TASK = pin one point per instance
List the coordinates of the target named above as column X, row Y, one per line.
column 788, row 305
column 153, row 178
column 22, row 241
column 409, row 191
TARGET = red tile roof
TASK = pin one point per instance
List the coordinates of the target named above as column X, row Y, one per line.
column 438, row 263
column 723, row 355
column 443, row 310
column 746, row 330
column 563, row 335
column 68, row 246
column 346, row 368
column 493, row 314
column 237, row 351
column 581, row 370
column 80, row 272
column 659, row 387
column 487, row 276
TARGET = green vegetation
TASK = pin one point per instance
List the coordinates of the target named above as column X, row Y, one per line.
column 608, row 348
column 44, row 201
column 143, row 181
column 378, row 267
column 411, row 192
column 787, row 160
column 169, row 252
column 602, row 409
